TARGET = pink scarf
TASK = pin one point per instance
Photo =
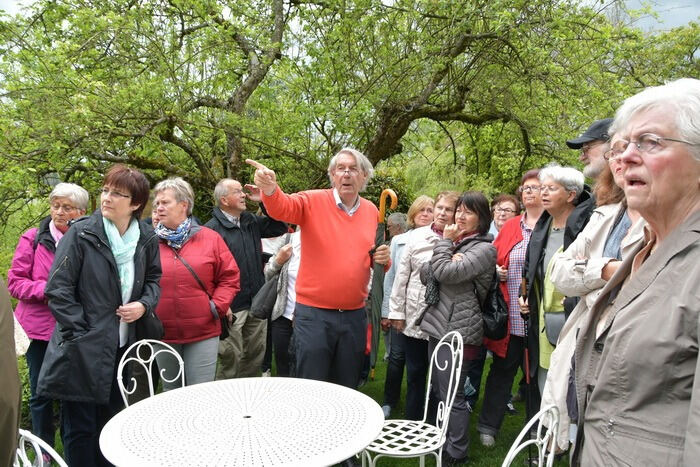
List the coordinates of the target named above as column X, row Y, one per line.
column 55, row 233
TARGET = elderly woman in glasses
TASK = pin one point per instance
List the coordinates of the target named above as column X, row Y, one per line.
column 26, row 280
column 200, row 279
column 636, row 357
column 581, row 271
column 561, row 189
column 103, row 280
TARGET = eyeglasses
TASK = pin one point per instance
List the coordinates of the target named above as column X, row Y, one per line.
column 344, row 170
column 66, row 208
column 549, row 188
column 529, row 189
column 116, row 194
column 235, row 192
column 504, row 211
column 648, row 143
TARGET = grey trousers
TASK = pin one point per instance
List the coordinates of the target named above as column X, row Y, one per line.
column 241, row 353
column 200, row 362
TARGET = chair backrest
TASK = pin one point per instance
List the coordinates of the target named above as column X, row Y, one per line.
column 545, row 440
column 143, row 354
column 446, row 358
column 28, row 442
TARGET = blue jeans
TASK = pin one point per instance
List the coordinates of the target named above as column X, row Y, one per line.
column 41, row 408
column 476, row 369
column 394, row 369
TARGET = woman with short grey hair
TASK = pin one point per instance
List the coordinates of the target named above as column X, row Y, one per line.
column 181, row 190
column 200, row 279
column 26, row 280
column 560, row 188
column 636, row 357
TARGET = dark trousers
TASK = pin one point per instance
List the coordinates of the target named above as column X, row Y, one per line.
column 457, row 440
column 267, row 358
column 330, row 344
column 41, row 408
column 498, row 388
column 82, row 423
column 281, row 329
column 476, row 370
column 394, row 369
column 417, row 359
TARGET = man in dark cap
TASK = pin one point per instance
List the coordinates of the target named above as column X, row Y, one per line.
column 592, row 143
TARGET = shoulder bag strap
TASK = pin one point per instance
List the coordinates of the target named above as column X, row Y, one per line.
column 199, row 281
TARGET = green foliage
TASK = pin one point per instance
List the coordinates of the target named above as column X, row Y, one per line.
column 461, row 94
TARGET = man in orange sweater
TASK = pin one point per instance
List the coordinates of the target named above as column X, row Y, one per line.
column 337, row 234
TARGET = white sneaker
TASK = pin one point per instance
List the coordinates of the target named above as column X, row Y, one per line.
column 487, row 440
column 387, row 411
column 266, row 374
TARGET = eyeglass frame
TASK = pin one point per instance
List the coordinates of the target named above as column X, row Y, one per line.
column 348, row 170
column 66, row 208
column 505, row 210
column 116, row 194
column 529, row 189
column 608, row 155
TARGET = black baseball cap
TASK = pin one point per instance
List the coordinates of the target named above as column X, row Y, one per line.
column 597, row 131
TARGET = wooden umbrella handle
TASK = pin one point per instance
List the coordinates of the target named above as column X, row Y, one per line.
column 386, row 193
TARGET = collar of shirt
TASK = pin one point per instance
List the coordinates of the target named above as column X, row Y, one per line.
column 523, row 224
column 340, row 204
column 646, row 251
column 234, row 220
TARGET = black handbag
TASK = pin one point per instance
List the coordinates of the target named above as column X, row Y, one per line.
column 494, row 310
column 149, row 326
column 264, row 300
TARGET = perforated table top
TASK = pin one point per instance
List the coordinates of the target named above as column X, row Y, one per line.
column 244, row 422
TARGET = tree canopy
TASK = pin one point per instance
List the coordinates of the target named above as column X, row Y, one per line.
column 469, row 93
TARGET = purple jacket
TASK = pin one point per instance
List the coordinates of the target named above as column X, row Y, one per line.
column 26, row 280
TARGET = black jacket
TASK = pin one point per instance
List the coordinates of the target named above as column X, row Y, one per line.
column 83, row 293
column 534, row 269
column 43, row 235
column 246, row 246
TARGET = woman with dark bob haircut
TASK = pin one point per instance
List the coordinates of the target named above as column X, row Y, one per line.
column 463, row 264
column 104, row 279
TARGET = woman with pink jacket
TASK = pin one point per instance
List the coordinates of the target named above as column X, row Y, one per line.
column 26, row 280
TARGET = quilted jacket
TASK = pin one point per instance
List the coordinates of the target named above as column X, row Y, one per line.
column 460, row 281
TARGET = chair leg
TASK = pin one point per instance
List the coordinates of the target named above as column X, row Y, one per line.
column 422, row 461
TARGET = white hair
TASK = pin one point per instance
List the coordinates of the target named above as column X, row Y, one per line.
column 568, row 177
column 182, row 190
column 681, row 98
column 77, row 194
column 363, row 164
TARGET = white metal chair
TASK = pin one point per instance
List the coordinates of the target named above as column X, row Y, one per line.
column 143, row 353
column 545, row 439
column 30, row 442
column 412, row 438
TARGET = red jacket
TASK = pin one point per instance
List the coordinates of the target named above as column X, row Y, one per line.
column 510, row 235
column 184, row 307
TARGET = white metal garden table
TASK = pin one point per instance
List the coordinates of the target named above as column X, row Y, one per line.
column 244, row 422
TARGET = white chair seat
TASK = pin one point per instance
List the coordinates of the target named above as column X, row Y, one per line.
column 407, row 438
column 417, row 438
